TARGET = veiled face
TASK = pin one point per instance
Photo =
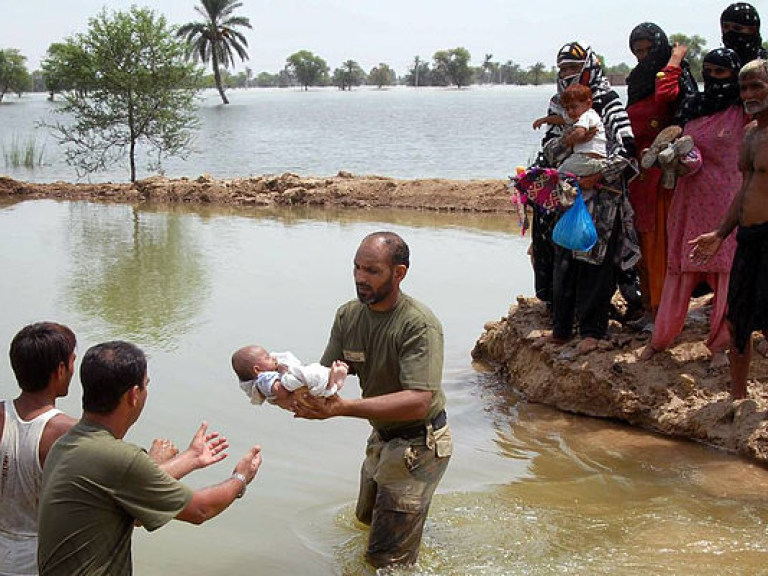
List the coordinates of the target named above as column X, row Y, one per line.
column 738, row 28
column 568, row 69
column 641, row 49
column 718, row 72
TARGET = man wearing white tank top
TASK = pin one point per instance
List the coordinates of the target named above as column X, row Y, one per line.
column 43, row 360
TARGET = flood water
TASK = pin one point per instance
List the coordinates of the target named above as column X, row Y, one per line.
column 479, row 132
column 529, row 490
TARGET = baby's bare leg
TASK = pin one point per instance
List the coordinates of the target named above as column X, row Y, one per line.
column 338, row 374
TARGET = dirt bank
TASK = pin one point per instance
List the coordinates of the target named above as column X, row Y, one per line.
column 673, row 393
column 342, row 190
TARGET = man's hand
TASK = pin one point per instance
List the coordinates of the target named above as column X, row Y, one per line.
column 162, row 450
column 249, row 464
column 207, row 449
column 705, row 247
column 316, row 408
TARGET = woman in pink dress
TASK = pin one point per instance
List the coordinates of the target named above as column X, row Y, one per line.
column 699, row 201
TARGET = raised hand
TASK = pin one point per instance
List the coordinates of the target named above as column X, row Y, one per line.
column 162, row 450
column 207, row 448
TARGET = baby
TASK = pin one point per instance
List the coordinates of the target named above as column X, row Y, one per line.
column 272, row 377
column 587, row 136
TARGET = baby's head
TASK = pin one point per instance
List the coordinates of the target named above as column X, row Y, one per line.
column 248, row 361
column 576, row 100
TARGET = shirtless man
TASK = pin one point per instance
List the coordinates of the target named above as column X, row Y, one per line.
column 748, row 287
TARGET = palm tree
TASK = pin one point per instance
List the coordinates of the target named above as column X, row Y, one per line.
column 216, row 37
column 487, row 67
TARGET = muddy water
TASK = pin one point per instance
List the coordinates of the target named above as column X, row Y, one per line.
column 529, row 490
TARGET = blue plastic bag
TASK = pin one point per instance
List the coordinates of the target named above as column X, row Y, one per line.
column 575, row 229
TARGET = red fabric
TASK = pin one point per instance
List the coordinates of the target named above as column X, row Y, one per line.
column 668, row 84
column 648, row 117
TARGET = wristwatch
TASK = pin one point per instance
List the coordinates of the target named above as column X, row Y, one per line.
column 240, row 478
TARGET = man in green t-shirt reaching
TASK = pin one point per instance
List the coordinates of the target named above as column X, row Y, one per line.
column 394, row 344
column 96, row 487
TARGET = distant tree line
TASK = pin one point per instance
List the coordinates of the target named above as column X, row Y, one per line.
column 451, row 67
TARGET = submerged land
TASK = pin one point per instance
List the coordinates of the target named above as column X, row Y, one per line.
column 675, row 393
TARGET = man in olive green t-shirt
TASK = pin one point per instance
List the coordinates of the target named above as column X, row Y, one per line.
column 96, row 486
column 395, row 346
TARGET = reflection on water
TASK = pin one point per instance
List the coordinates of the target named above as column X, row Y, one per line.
column 399, row 132
column 139, row 272
column 529, row 490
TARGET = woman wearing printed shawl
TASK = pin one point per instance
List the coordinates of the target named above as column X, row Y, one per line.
column 717, row 121
column 582, row 283
column 740, row 27
column 655, row 88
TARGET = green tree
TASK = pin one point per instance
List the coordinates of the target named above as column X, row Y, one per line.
column 265, row 80
column 14, row 76
column 488, row 69
column 382, row 75
column 536, row 72
column 349, row 74
column 216, row 38
column 511, row 73
column 418, row 75
column 306, row 68
column 66, row 67
column 143, row 94
column 453, row 65
column 696, row 51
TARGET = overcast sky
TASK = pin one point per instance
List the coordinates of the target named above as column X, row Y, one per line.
column 393, row 31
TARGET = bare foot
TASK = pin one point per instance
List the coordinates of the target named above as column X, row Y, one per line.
column 761, row 347
column 586, row 345
column 337, row 375
column 549, row 339
column 647, row 353
column 162, row 450
column 719, row 360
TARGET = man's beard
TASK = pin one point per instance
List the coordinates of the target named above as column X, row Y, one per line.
column 369, row 296
column 756, row 106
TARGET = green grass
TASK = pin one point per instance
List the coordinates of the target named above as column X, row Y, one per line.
column 27, row 153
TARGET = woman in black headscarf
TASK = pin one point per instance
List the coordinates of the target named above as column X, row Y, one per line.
column 698, row 203
column 655, row 88
column 740, row 26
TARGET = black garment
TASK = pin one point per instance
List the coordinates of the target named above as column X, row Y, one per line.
column 543, row 250
column 748, row 285
column 747, row 46
column 585, row 291
column 689, row 95
column 718, row 94
column 641, row 81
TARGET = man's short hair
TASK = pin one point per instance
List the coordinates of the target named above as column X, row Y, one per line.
column 756, row 67
column 37, row 351
column 108, row 371
column 399, row 253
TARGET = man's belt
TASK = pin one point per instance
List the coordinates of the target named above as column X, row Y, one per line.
column 419, row 431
